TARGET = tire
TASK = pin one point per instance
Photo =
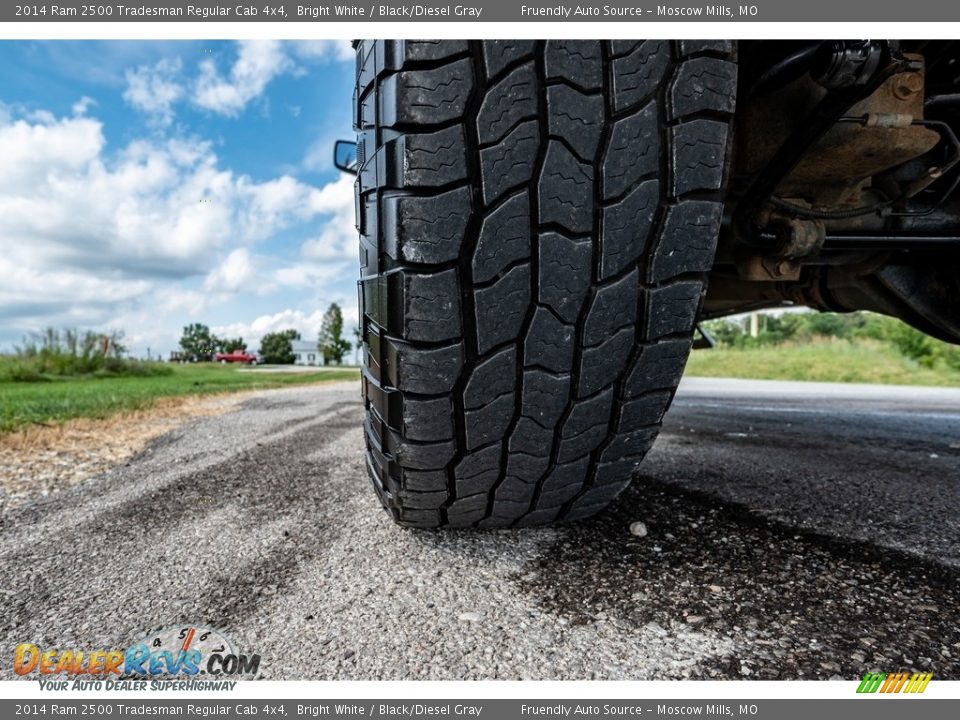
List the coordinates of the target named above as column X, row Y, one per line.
column 536, row 223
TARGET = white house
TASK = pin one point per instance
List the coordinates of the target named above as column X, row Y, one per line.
column 307, row 353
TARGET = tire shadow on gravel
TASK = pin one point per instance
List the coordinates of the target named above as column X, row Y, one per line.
column 796, row 605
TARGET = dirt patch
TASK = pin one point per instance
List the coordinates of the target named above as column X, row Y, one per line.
column 40, row 460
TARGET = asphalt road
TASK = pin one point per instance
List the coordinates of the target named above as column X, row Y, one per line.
column 793, row 531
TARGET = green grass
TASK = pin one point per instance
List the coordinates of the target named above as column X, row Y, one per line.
column 862, row 361
column 55, row 399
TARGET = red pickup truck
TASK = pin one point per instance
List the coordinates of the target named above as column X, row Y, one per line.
column 237, row 356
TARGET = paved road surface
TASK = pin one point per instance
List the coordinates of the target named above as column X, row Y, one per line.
column 794, row 530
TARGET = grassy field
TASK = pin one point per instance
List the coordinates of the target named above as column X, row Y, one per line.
column 55, row 399
column 862, row 361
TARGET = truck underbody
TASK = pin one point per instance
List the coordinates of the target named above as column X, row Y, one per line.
column 842, row 193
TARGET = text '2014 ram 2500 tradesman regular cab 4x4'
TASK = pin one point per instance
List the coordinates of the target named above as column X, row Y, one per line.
column 543, row 223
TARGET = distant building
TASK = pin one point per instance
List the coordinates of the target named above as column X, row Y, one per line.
column 307, row 353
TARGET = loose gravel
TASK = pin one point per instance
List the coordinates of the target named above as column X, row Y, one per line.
column 261, row 522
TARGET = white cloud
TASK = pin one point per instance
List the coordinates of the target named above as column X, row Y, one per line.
column 257, row 63
column 326, row 50
column 233, row 274
column 165, row 204
column 337, row 239
column 154, row 89
column 88, row 237
column 81, row 106
column 177, row 300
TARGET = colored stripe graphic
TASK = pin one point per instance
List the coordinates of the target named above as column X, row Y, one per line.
column 871, row 682
column 894, row 683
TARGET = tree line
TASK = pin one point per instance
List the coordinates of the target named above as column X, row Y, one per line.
column 198, row 343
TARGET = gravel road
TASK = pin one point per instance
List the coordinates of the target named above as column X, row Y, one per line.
column 792, row 530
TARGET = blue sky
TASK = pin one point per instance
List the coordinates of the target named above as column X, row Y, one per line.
column 145, row 185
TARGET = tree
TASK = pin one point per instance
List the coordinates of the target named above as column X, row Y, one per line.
column 332, row 343
column 276, row 348
column 198, row 343
column 230, row 345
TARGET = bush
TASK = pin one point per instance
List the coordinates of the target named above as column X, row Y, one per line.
column 807, row 327
column 70, row 353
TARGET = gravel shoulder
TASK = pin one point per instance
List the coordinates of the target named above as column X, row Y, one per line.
column 811, row 539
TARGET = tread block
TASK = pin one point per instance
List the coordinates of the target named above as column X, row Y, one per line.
column 425, row 481
column 614, row 306
column 515, row 490
column 564, row 268
column 531, row 439
column 581, row 511
column 585, row 427
column 510, row 162
column 658, row 366
column 412, row 500
column 504, row 238
column 598, row 498
column 465, row 518
column 428, row 420
column 564, row 481
column 699, row 150
column 426, row 97
column 508, row 102
column 495, row 376
column 577, row 118
column 631, row 446
column 565, row 475
column 431, row 306
column 420, row 518
column 467, row 510
column 490, row 422
column 427, row 371
column 703, row 84
column 542, row 516
column 566, row 190
column 545, row 397
column 415, row 50
column 420, row 456
column 431, row 159
column 637, row 74
column 498, row 54
column 502, row 307
column 601, row 365
column 672, row 308
column 633, row 151
column 426, row 229
column 559, row 496
column 505, row 513
column 692, row 47
column 619, row 48
column 619, row 473
column 644, row 411
column 625, row 228
column 688, row 239
column 549, row 342
column 579, row 61
column 478, row 471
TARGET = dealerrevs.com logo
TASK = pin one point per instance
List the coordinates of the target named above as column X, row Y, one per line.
column 900, row 682
column 172, row 658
